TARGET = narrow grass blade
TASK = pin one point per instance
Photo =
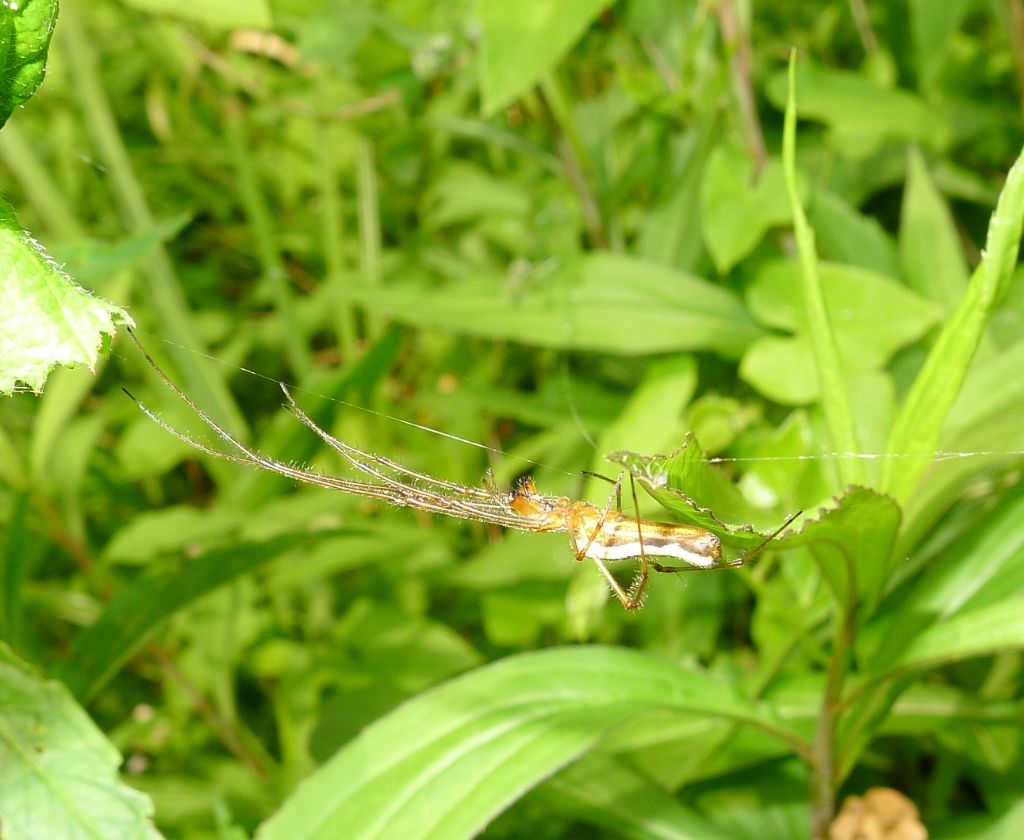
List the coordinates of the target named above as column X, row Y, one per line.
column 834, row 399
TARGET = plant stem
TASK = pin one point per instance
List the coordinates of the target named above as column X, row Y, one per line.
column 369, row 224
column 333, row 232
column 256, row 210
column 823, row 775
column 573, row 155
column 736, row 40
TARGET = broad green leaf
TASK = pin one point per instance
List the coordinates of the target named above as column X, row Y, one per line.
column 982, row 422
column 872, row 316
column 782, row 369
column 977, row 632
column 606, row 792
column 919, row 425
column 924, row 707
column 521, row 43
column 446, row 762
column 224, row 14
column 835, row 400
column 737, row 208
column 861, row 113
column 607, row 302
column 129, row 620
column 981, row 568
column 930, row 255
column 850, row 237
column 45, row 318
column 172, row 528
column 58, row 774
column 25, row 30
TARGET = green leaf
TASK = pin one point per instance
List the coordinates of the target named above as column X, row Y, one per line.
column 58, row 774
column 445, row 763
column 1008, row 826
column 983, row 567
column 652, row 417
column 984, row 422
column 853, row 545
column 919, row 424
column 25, row 30
column 862, row 114
column 848, row 236
column 685, row 483
column 737, row 208
column 835, row 400
column 872, row 317
column 224, row 14
column 930, row 254
column 978, row 632
column 609, row 793
column 45, row 318
column 782, row 369
column 932, row 28
column 126, row 623
column 520, row 43
column 607, row 302
column 93, row 261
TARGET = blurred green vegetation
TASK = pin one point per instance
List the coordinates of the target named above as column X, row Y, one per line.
column 554, row 232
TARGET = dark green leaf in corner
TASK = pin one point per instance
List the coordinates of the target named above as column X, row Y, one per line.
column 25, row 30
column 57, row 772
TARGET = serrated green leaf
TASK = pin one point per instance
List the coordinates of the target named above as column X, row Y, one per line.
column 58, row 774
column 607, row 302
column 521, row 43
column 25, row 30
column 45, row 318
column 853, row 544
column 446, row 762
column 685, row 483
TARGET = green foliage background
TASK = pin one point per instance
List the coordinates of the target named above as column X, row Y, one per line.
column 560, row 230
